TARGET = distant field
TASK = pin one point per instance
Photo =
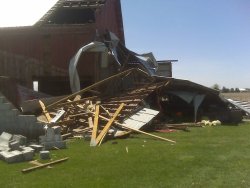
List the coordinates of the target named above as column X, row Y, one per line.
column 238, row 96
column 203, row 157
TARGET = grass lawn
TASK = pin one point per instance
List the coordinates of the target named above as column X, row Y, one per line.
column 204, row 157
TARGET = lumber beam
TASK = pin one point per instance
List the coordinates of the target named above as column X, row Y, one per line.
column 45, row 112
column 44, row 165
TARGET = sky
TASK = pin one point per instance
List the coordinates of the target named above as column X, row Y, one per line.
column 209, row 38
column 23, row 12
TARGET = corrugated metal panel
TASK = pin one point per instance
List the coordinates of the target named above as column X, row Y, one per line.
column 141, row 118
column 243, row 105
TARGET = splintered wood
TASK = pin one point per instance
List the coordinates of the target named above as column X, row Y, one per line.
column 98, row 111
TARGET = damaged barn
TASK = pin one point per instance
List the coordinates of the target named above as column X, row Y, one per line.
column 115, row 91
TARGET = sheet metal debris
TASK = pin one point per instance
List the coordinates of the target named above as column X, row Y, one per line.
column 243, row 105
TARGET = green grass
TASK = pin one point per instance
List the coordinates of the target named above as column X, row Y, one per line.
column 204, row 157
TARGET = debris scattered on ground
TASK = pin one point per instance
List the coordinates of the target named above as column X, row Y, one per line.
column 13, row 148
column 209, row 123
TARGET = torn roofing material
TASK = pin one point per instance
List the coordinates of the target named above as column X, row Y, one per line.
column 124, row 58
column 243, row 105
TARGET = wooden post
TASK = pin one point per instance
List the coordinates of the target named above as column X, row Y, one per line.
column 107, row 126
column 94, row 131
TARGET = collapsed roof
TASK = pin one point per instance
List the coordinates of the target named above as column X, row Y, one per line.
column 72, row 12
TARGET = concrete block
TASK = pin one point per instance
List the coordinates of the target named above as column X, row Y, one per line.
column 12, row 156
column 60, row 144
column 42, row 139
column 53, row 145
column 27, row 148
column 3, row 154
column 44, row 155
column 57, row 129
column 49, row 145
column 58, row 137
column 14, row 145
column 4, row 148
column 4, row 141
column 5, row 136
column 28, row 154
column 5, row 106
column 50, row 134
column 28, row 118
column 22, row 140
column 36, row 147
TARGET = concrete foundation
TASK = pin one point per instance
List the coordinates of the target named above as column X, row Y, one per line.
column 13, row 122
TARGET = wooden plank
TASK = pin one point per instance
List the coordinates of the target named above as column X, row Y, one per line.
column 77, row 98
column 64, row 136
column 45, row 111
column 94, row 131
column 44, row 165
column 105, row 110
column 130, row 101
column 90, row 120
column 35, row 162
column 81, row 130
column 115, row 105
column 107, row 126
column 76, row 115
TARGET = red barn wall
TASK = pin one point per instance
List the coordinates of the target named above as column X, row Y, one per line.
column 110, row 17
column 54, row 45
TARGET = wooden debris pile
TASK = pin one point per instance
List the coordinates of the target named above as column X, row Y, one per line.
column 98, row 111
